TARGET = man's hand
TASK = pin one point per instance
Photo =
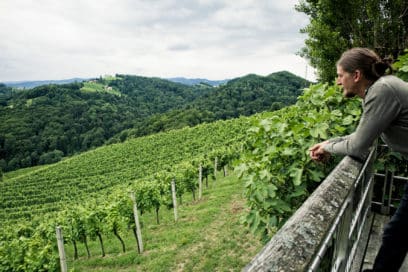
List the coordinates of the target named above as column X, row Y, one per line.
column 317, row 153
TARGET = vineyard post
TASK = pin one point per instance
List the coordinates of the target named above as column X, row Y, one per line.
column 200, row 182
column 173, row 193
column 61, row 250
column 215, row 168
column 136, row 215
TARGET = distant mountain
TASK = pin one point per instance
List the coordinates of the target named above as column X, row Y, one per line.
column 24, row 84
column 33, row 84
column 196, row 81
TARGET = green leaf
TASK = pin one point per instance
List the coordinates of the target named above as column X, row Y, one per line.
column 272, row 188
column 289, row 151
column 296, row 174
column 255, row 222
column 273, row 221
column 299, row 191
column 283, row 206
column 315, row 175
column 264, row 174
column 348, row 120
column 337, row 113
column 266, row 124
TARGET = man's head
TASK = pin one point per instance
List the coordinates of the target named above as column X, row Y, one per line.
column 357, row 68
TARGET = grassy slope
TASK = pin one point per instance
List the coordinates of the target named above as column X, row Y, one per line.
column 207, row 237
column 81, row 176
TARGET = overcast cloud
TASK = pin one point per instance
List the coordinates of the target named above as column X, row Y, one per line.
column 214, row 39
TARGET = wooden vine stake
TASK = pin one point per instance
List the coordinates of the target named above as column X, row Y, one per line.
column 200, row 182
column 215, row 168
column 138, row 231
column 61, row 250
column 173, row 193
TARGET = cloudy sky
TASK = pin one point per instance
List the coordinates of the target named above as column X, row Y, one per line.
column 213, row 39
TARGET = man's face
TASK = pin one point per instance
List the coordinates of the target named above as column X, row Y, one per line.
column 347, row 80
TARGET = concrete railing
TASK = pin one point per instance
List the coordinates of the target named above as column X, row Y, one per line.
column 323, row 233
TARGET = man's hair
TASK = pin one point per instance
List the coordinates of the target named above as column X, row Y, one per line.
column 365, row 60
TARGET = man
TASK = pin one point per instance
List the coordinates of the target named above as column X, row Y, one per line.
column 385, row 113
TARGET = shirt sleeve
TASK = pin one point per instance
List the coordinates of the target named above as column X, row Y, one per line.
column 381, row 107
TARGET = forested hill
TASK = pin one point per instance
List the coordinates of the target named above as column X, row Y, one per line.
column 44, row 124
column 251, row 94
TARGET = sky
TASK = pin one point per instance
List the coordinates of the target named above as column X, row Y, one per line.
column 212, row 39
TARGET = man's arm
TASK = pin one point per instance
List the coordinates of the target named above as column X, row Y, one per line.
column 381, row 107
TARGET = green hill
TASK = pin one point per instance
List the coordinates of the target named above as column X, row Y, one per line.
column 44, row 124
column 251, row 94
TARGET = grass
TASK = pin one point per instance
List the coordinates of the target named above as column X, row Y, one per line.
column 90, row 86
column 207, row 237
column 21, row 172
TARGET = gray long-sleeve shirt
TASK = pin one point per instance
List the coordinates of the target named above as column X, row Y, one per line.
column 385, row 113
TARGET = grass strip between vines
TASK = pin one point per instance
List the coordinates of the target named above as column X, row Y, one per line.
column 207, row 237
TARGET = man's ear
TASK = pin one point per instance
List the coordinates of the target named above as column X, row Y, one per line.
column 357, row 75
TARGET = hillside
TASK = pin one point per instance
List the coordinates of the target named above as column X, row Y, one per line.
column 238, row 97
column 44, row 124
column 88, row 194
column 251, row 94
column 94, row 182
column 52, row 187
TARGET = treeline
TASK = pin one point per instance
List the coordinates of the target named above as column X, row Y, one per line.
column 44, row 124
column 338, row 25
column 239, row 97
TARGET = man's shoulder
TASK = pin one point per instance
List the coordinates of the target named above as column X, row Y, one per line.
column 388, row 80
column 388, row 83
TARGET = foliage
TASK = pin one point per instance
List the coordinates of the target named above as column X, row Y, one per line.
column 77, row 117
column 251, row 94
column 27, row 251
column 390, row 160
column 97, row 217
column 401, row 65
column 85, row 175
column 51, row 157
column 378, row 24
column 207, row 237
column 276, row 167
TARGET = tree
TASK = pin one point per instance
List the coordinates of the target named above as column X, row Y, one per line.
column 401, row 65
column 338, row 25
column 3, row 166
column 51, row 157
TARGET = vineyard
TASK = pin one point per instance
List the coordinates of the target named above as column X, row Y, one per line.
column 50, row 188
column 89, row 195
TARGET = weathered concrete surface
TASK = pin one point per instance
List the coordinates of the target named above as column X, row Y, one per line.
column 297, row 242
